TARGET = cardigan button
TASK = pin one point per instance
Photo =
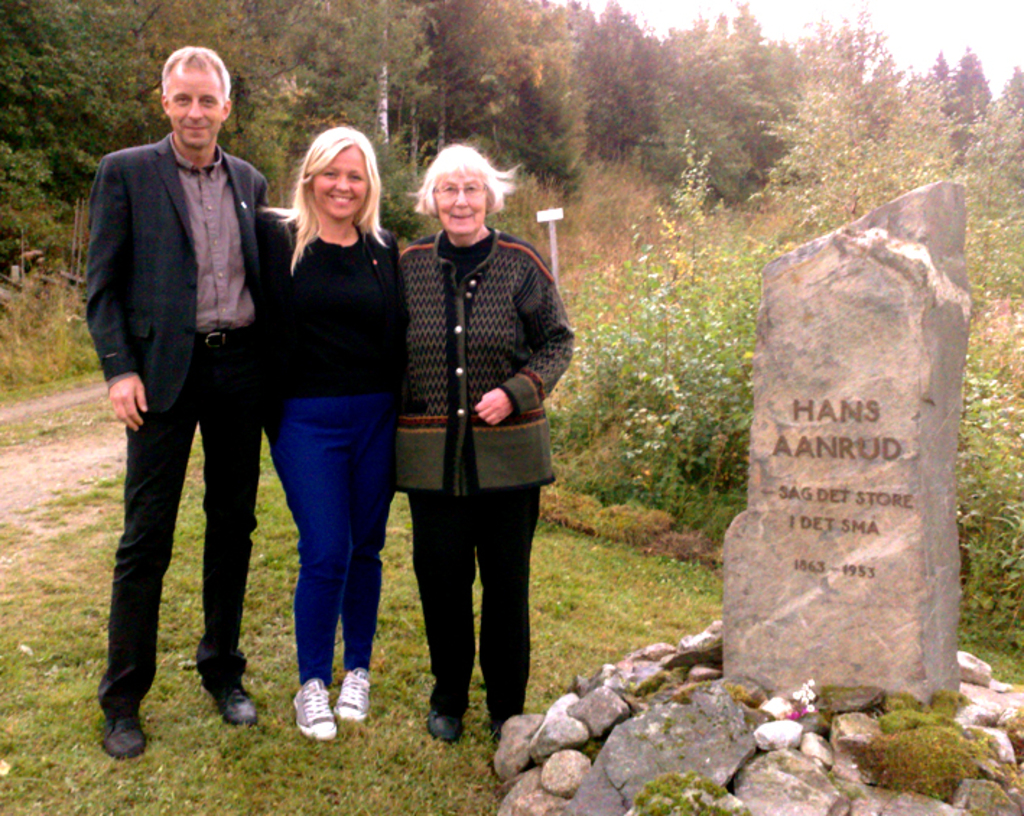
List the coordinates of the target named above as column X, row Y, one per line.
column 459, row 372
column 461, row 412
column 472, row 283
column 458, row 329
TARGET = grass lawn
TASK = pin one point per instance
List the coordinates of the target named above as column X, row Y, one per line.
column 592, row 602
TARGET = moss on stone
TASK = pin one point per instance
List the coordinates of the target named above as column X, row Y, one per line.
column 907, row 719
column 686, row 794
column 928, row 759
column 948, row 702
column 659, row 680
column 683, row 695
column 922, row 749
column 901, row 701
column 592, row 749
column 741, row 695
column 851, row 791
column 651, row 684
column 1014, row 726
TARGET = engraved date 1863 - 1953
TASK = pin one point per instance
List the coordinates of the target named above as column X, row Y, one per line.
column 820, row 567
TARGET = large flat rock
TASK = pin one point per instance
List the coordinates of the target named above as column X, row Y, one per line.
column 710, row 735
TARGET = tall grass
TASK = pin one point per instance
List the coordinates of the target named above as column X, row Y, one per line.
column 43, row 336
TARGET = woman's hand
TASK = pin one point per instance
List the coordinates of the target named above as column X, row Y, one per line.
column 494, row 406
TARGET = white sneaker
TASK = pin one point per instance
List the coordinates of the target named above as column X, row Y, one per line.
column 313, row 712
column 354, row 700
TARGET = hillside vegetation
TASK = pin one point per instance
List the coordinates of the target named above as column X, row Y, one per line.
column 684, row 164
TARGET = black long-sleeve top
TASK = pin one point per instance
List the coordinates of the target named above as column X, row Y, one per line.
column 335, row 327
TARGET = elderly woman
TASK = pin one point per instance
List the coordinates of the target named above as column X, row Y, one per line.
column 335, row 364
column 487, row 339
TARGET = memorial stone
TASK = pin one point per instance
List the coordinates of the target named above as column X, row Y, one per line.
column 845, row 566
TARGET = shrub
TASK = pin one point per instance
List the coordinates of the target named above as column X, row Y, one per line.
column 991, row 482
column 657, row 405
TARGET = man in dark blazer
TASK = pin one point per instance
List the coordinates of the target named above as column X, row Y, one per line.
column 172, row 296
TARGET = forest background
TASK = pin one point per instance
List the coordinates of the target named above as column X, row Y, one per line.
column 684, row 164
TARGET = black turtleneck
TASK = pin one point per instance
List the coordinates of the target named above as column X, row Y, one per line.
column 466, row 259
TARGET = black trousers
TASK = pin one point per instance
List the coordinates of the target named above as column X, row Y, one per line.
column 222, row 395
column 450, row 535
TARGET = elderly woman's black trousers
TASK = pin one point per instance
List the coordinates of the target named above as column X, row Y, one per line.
column 451, row 534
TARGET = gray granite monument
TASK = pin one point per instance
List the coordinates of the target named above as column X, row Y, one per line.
column 844, row 568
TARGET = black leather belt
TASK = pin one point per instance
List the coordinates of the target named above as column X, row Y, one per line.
column 222, row 337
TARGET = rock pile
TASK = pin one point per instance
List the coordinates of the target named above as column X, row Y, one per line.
column 666, row 710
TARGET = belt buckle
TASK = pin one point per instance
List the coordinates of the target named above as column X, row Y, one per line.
column 215, row 339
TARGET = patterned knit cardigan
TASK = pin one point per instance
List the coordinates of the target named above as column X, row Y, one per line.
column 502, row 326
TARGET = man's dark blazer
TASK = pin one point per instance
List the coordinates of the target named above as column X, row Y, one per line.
column 142, row 271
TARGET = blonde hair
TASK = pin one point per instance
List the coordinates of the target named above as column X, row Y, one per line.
column 203, row 59
column 460, row 159
column 321, row 153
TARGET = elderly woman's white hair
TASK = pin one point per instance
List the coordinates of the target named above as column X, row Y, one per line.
column 463, row 160
column 321, row 153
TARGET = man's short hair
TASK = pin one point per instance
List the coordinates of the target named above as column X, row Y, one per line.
column 203, row 59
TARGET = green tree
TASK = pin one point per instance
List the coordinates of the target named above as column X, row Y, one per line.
column 940, row 71
column 498, row 73
column 727, row 88
column 862, row 134
column 68, row 97
column 1013, row 92
column 619, row 68
column 966, row 99
column 538, row 120
column 994, row 164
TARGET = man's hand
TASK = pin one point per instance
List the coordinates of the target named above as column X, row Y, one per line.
column 494, row 406
column 128, row 396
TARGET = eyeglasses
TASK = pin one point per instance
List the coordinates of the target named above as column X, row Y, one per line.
column 450, row 192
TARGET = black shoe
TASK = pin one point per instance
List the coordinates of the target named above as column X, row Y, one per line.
column 443, row 727
column 123, row 737
column 234, row 705
column 496, row 726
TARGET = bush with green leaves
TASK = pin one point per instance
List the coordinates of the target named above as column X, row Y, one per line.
column 657, row 405
column 991, row 447
column 991, row 491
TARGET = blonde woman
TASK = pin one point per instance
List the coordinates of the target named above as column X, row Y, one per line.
column 334, row 349
column 488, row 338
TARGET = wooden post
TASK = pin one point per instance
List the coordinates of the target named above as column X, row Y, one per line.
column 551, row 216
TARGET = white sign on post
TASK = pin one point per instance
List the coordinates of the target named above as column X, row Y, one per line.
column 551, row 216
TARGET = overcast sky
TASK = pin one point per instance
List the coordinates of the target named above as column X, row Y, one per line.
column 917, row 31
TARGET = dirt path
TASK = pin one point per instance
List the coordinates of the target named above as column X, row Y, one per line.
column 71, row 440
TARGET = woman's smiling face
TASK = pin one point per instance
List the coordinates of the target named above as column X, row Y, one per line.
column 462, row 208
column 339, row 190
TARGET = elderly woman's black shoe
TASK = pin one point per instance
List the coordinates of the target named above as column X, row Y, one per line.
column 443, row 727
